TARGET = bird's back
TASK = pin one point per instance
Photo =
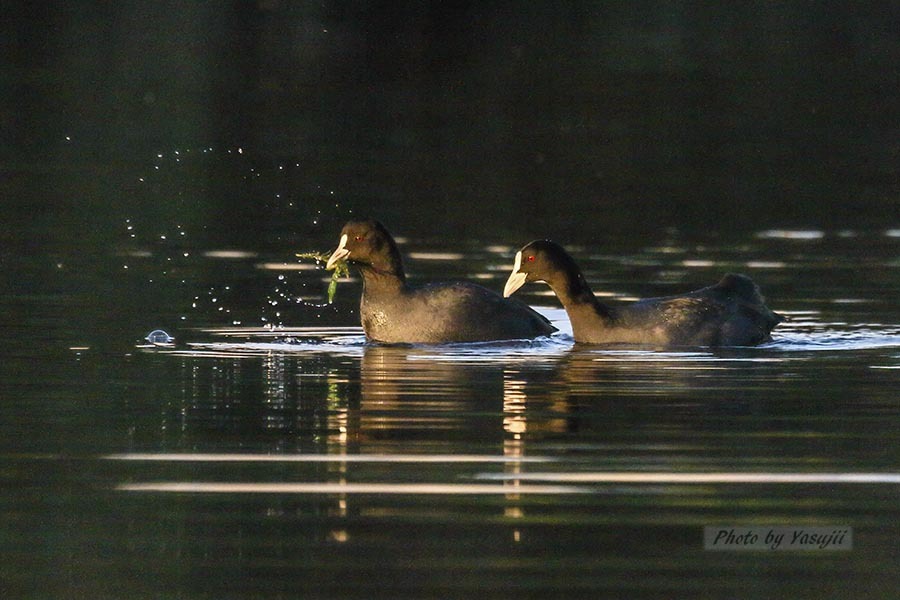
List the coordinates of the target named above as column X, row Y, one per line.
column 730, row 313
column 449, row 312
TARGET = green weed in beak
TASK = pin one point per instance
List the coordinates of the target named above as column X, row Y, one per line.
column 341, row 269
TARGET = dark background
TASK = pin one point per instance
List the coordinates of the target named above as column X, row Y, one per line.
column 521, row 118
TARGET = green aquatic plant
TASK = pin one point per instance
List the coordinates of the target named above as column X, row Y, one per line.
column 341, row 269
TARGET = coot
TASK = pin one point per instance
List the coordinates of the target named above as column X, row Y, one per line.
column 392, row 311
column 730, row 313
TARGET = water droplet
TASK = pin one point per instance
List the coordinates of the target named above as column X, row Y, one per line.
column 158, row 336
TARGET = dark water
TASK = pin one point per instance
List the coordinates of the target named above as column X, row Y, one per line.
column 161, row 164
column 247, row 460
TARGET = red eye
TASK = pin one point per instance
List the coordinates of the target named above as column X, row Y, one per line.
column 530, row 259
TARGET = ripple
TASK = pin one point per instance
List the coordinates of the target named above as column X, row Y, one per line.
column 863, row 338
column 803, row 332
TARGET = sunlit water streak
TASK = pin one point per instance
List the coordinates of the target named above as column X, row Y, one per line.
column 690, row 478
column 406, row 489
column 328, row 458
column 535, row 482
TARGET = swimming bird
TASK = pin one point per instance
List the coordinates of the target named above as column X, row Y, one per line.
column 393, row 311
column 730, row 313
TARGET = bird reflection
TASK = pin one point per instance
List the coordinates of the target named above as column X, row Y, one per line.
column 412, row 399
column 393, row 399
column 431, row 399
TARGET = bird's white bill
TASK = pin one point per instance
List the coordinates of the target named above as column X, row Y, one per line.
column 338, row 255
column 516, row 278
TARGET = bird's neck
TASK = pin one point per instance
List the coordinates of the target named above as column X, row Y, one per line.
column 581, row 305
column 383, row 276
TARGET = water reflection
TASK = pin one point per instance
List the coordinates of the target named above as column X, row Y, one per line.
column 340, row 395
column 389, row 398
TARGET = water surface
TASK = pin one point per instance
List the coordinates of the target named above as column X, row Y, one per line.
column 269, row 451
